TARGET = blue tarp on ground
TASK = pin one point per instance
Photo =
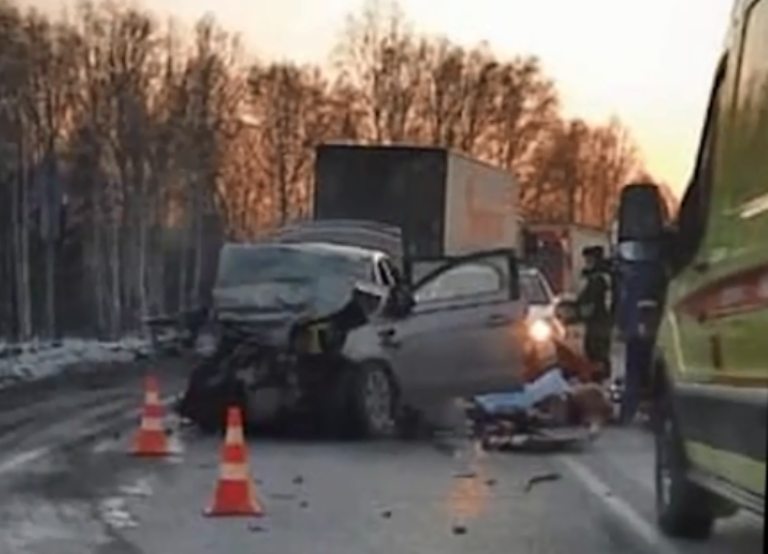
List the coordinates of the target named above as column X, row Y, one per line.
column 552, row 383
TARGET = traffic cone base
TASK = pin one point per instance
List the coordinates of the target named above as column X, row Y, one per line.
column 150, row 444
column 234, row 497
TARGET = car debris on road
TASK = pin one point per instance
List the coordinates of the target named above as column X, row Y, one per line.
column 538, row 479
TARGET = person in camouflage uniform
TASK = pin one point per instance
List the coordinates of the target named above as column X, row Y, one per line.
column 594, row 304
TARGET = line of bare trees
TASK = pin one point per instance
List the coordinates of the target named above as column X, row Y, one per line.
column 129, row 148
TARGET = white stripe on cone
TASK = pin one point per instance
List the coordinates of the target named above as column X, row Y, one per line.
column 234, row 435
column 233, row 472
column 152, row 424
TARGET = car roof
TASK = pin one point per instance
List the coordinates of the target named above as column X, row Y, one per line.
column 320, row 247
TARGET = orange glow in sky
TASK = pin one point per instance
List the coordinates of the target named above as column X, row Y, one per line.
column 649, row 62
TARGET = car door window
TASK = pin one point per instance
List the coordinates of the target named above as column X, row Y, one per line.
column 534, row 289
column 384, row 273
column 463, row 281
column 693, row 215
column 749, row 194
column 394, row 273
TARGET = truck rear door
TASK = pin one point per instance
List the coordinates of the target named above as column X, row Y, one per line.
column 481, row 207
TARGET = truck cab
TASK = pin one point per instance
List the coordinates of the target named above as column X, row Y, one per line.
column 710, row 375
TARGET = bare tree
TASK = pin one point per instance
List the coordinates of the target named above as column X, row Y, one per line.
column 14, row 53
column 671, row 200
column 526, row 109
column 209, row 96
column 611, row 159
column 379, row 56
column 293, row 114
column 152, row 143
column 582, row 171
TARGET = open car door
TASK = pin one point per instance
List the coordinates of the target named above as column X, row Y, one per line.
column 463, row 335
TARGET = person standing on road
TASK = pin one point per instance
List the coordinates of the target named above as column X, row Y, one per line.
column 594, row 305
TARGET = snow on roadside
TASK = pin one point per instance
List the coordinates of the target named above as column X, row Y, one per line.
column 32, row 361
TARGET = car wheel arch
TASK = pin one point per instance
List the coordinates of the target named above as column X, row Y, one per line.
column 695, row 524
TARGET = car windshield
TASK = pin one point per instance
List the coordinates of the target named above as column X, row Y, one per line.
column 243, row 265
column 533, row 288
column 279, row 278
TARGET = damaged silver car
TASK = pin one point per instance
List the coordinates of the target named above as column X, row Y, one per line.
column 337, row 336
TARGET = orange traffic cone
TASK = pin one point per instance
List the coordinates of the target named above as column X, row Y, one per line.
column 235, row 493
column 151, row 440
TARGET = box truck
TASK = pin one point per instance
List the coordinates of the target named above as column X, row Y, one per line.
column 444, row 202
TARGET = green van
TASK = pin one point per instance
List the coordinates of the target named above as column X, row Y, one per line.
column 710, row 378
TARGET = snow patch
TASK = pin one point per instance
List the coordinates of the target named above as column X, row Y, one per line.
column 34, row 360
column 141, row 487
column 35, row 525
column 206, row 344
column 114, row 513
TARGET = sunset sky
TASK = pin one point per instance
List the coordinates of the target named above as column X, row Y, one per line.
column 649, row 62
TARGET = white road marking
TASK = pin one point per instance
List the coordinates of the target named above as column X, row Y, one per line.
column 619, row 508
column 18, row 461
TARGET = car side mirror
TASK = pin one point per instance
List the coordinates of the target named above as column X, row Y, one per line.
column 567, row 311
column 641, row 232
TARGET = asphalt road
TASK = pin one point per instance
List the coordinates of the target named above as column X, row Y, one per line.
column 69, row 487
column 42, row 416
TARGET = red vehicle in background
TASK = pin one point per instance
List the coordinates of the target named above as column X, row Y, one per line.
column 555, row 249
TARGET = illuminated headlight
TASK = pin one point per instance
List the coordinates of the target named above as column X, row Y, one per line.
column 540, row 330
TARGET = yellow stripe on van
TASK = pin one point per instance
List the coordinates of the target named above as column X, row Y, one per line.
column 744, row 472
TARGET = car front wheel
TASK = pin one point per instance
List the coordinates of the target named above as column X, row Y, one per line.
column 373, row 397
column 684, row 509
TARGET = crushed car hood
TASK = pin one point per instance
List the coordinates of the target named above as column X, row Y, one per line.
column 275, row 302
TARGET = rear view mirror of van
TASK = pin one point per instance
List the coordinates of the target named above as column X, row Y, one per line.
column 641, row 223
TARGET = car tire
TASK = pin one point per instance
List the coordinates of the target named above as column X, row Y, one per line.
column 683, row 508
column 373, row 401
column 206, row 404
